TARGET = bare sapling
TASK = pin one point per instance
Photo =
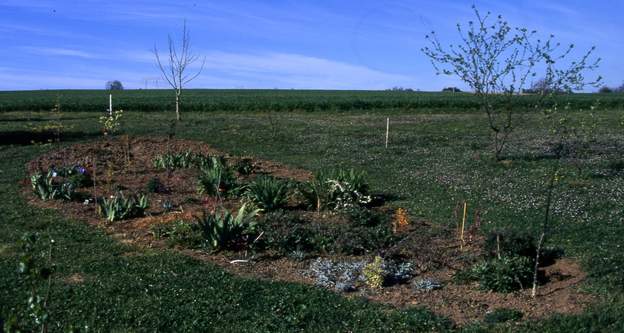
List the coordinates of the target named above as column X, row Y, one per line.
column 176, row 68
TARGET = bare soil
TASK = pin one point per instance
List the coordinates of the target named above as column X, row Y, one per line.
column 127, row 162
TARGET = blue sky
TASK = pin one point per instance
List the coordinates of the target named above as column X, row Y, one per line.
column 273, row 44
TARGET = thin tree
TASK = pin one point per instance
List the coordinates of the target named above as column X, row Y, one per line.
column 176, row 69
column 497, row 61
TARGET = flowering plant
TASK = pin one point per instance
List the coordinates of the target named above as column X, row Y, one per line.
column 110, row 122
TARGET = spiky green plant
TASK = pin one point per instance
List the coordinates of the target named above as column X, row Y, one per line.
column 268, row 193
column 216, row 180
column 222, row 230
column 119, row 207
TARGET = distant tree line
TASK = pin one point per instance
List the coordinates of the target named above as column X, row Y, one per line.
column 607, row 89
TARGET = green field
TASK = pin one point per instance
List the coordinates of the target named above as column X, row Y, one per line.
column 436, row 158
column 273, row 100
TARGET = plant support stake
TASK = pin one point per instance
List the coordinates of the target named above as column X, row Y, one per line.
column 387, row 130
column 461, row 233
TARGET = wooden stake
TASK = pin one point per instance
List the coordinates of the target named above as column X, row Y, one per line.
column 95, row 203
column 461, row 234
column 387, row 130
column 110, row 104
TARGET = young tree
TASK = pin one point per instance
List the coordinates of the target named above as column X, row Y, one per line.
column 496, row 61
column 176, row 69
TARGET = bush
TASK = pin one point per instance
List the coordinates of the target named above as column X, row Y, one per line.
column 504, row 275
column 357, row 240
column 119, row 207
column 268, row 193
column 502, row 315
column 222, row 230
column 364, row 217
column 285, row 233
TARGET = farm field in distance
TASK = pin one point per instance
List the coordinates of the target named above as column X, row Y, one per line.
column 438, row 157
column 277, row 100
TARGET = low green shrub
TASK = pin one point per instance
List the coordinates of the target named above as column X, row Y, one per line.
column 507, row 274
column 285, row 232
column 365, row 217
column 119, row 207
column 502, row 315
column 268, row 193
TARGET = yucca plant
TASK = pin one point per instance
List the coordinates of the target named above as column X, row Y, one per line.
column 216, row 180
column 222, row 230
column 268, row 193
column 119, row 207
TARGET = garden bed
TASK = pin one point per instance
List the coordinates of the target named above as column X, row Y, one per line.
column 298, row 240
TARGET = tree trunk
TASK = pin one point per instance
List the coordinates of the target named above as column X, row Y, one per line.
column 177, row 106
column 545, row 225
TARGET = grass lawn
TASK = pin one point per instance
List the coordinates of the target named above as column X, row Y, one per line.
column 434, row 161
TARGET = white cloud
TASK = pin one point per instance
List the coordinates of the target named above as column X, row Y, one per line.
column 56, row 51
column 285, row 70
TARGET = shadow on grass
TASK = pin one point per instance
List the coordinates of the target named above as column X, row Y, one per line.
column 28, row 137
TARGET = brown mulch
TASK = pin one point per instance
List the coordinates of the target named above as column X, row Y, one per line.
column 434, row 251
